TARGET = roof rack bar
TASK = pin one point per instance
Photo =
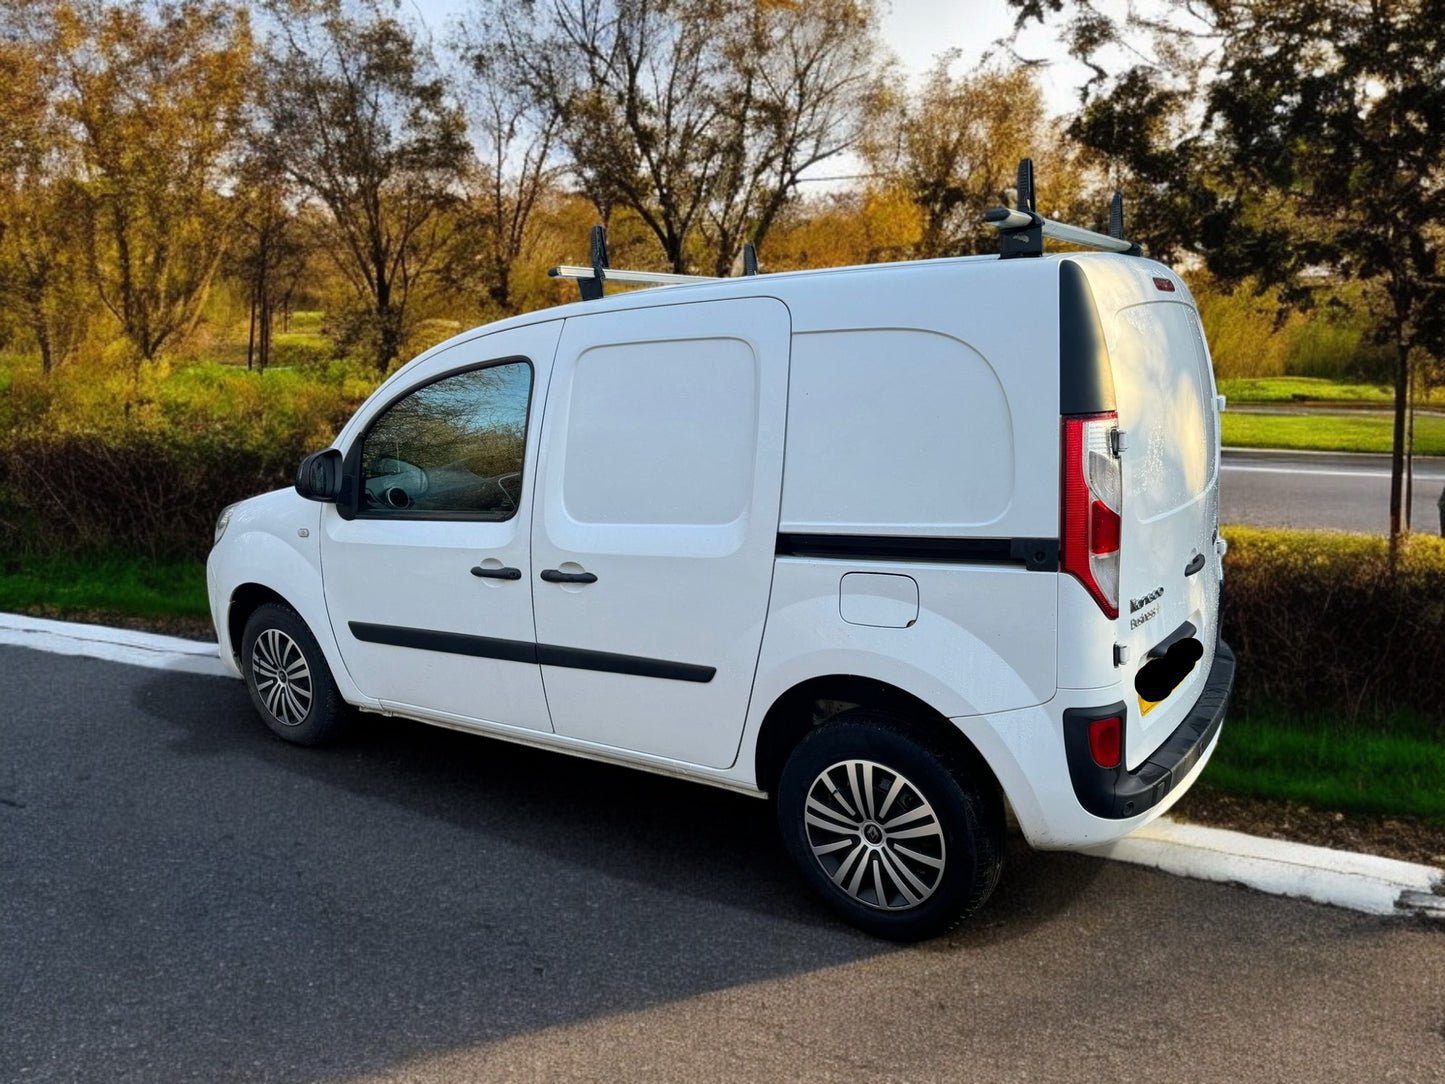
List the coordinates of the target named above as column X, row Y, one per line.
column 590, row 280
column 613, row 274
column 1007, row 221
column 1021, row 232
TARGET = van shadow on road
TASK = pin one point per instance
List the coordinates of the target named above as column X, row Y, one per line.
column 190, row 892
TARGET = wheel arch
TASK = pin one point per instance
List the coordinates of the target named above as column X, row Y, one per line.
column 245, row 600
column 813, row 702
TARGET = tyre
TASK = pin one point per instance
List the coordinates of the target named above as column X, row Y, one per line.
column 893, row 832
column 288, row 679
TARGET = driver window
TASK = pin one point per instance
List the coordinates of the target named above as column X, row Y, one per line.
column 451, row 449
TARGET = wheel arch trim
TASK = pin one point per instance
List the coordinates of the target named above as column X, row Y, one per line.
column 263, row 569
column 789, row 718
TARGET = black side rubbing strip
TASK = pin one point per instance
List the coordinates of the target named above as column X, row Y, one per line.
column 1086, row 381
column 453, row 643
column 1035, row 554
column 487, row 647
column 577, row 658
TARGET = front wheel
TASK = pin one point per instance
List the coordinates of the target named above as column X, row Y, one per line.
column 891, row 831
column 288, row 679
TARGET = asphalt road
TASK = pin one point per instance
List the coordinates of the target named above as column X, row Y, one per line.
column 1322, row 490
column 185, row 898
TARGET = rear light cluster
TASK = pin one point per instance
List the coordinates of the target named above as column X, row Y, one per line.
column 1093, row 506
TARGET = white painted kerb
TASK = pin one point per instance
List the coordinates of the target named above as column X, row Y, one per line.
column 1361, row 882
column 112, row 645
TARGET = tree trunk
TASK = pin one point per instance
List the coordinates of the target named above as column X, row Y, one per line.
column 251, row 332
column 263, row 354
column 1410, row 453
column 1397, row 455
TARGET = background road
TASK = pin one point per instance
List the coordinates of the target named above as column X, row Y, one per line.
column 184, row 897
column 1322, row 490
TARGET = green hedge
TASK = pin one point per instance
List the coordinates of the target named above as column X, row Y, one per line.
column 1320, row 624
column 110, row 462
column 142, row 493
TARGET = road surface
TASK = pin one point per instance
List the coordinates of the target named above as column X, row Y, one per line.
column 1322, row 490
column 183, row 897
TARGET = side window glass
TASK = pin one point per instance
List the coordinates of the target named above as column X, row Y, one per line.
column 451, row 449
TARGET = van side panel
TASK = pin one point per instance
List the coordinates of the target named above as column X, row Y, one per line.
column 895, row 431
column 934, row 381
column 919, row 404
column 982, row 640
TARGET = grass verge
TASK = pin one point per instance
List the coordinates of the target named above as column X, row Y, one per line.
column 1312, row 389
column 1391, row 770
column 130, row 587
column 1328, row 432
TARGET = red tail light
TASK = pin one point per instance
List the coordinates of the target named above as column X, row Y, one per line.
column 1093, row 505
column 1106, row 741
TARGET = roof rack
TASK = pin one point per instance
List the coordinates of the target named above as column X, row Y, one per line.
column 1021, row 231
column 590, row 280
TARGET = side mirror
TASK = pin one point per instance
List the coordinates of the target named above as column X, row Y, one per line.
column 319, row 476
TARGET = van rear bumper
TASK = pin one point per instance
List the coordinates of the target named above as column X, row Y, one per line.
column 1115, row 793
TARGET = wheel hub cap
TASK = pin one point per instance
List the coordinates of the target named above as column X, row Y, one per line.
column 283, row 680
column 875, row 835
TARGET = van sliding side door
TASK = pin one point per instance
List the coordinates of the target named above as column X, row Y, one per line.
column 656, row 523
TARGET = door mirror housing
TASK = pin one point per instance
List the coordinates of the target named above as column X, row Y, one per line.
column 319, row 476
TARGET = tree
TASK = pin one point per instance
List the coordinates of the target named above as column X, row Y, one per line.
column 699, row 115
column 154, row 99
column 799, row 81
column 954, row 147
column 366, row 126
column 1319, row 143
column 42, row 271
column 272, row 252
column 515, row 134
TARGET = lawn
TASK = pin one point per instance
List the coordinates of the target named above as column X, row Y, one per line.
column 1308, row 389
column 1391, row 771
column 132, row 587
column 1328, row 432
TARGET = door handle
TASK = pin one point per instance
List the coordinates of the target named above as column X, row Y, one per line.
column 1195, row 565
column 497, row 573
column 556, row 575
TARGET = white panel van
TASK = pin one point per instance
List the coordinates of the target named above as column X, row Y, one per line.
column 890, row 545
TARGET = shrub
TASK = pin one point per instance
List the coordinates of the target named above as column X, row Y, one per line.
column 135, row 492
column 142, row 463
column 1320, row 623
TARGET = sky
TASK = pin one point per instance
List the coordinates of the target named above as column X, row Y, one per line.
column 917, row 31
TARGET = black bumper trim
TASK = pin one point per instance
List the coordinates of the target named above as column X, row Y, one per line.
column 1116, row 793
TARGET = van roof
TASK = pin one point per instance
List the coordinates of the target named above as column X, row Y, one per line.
column 788, row 286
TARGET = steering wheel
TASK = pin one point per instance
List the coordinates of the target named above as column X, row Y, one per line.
column 503, row 479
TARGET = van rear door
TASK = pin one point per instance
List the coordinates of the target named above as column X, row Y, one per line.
column 1169, row 571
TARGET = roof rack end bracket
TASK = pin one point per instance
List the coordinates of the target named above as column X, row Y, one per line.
column 592, row 289
column 1020, row 233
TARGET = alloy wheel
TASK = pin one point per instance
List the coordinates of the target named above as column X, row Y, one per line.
column 282, row 677
column 875, row 835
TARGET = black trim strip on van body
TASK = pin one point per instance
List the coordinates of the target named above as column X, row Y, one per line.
column 1086, row 380
column 1035, row 554
column 489, row 647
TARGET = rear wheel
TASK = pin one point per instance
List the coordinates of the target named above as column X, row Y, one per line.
column 288, row 679
column 891, row 830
